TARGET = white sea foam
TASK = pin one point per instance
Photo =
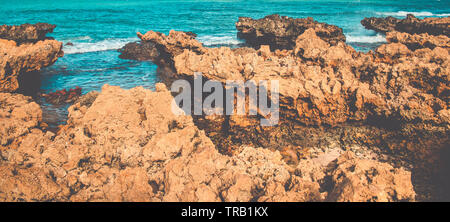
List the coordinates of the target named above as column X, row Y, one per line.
column 211, row 40
column 77, row 38
column 404, row 13
column 103, row 45
column 379, row 38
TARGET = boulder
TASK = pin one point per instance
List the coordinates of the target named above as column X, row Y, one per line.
column 140, row 51
column 411, row 25
column 24, row 50
column 26, row 32
column 280, row 32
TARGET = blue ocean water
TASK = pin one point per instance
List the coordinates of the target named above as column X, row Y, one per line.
column 97, row 28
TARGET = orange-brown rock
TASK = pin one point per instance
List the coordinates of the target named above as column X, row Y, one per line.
column 169, row 47
column 23, row 50
column 17, row 61
column 18, row 116
column 141, row 151
column 324, row 84
column 402, row 90
column 357, row 180
column 419, row 41
column 26, row 32
column 280, row 32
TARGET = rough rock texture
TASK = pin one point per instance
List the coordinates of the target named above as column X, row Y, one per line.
column 144, row 49
column 169, row 47
column 368, row 181
column 418, row 41
column 26, row 32
column 63, row 96
column 29, row 52
column 411, row 25
column 141, row 151
column 393, row 100
column 280, row 32
column 353, row 127
column 324, row 84
column 18, row 115
column 140, row 51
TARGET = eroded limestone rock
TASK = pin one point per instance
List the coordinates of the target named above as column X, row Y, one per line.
column 280, row 32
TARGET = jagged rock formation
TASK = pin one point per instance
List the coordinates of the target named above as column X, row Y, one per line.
column 397, row 96
column 140, row 51
column 324, row 84
column 353, row 127
column 418, row 41
column 24, row 49
column 368, row 181
column 144, row 50
column 18, row 115
column 411, row 25
column 141, row 151
column 280, row 32
column 26, row 32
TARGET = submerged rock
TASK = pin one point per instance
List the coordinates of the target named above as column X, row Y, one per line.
column 63, row 96
column 280, row 32
column 411, row 25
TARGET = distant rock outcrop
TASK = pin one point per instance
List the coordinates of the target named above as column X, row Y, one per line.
column 26, row 32
column 24, row 49
column 280, row 32
column 411, row 25
column 140, row 51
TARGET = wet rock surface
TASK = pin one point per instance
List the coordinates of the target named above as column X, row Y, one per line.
column 411, row 25
column 63, row 96
column 280, row 32
column 24, row 50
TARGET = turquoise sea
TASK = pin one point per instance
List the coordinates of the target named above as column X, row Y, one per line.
column 97, row 28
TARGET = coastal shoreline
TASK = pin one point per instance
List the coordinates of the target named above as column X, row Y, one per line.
column 355, row 126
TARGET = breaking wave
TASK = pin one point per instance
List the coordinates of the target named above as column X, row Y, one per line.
column 211, row 40
column 379, row 38
column 404, row 13
column 103, row 45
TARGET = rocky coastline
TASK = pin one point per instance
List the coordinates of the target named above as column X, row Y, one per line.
column 353, row 126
